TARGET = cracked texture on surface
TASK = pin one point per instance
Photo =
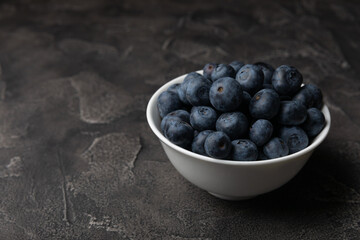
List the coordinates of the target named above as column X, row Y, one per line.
column 78, row 160
column 111, row 159
column 100, row 101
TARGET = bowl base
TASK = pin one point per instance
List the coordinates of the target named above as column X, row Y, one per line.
column 231, row 198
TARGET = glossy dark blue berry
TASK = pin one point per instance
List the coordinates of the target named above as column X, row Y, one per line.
column 295, row 138
column 310, row 96
column 275, row 148
column 182, row 89
column 168, row 102
column 236, row 65
column 174, row 88
column 261, row 132
column 203, row 118
column 179, row 132
column 234, row 124
column 264, row 104
column 268, row 71
column 217, row 145
column 291, row 113
column 251, row 78
column 208, row 69
column 225, row 94
column 181, row 114
column 286, row 80
column 197, row 91
column 197, row 145
column 314, row 123
column 304, row 96
column 244, row 150
column 317, row 95
column 221, row 71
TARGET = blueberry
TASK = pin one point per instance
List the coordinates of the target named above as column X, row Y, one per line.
column 173, row 88
column 264, row 104
column 275, row 148
column 251, row 78
column 236, row 65
column 217, row 145
column 225, row 94
column 221, row 71
column 181, row 114
column 183, row 86
column 286, row 80
column 310, row 96
column 291, row 113
column 234, row 124
column 179, row 132
column 203, row 118
column 208, row 69
column 304, row 96
column 314, row 123
column 268, row 71
column 295, row 138
column 317, row 95
column 261, row 132
column 168, row 102
column 197, row 91
column 197, row 145
column 244, row 150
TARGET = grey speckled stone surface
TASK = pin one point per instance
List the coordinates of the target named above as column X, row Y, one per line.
column 78, row 160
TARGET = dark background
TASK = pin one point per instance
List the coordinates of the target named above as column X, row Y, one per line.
column 78, row 160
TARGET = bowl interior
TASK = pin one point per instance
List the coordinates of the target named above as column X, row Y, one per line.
column 154, row 121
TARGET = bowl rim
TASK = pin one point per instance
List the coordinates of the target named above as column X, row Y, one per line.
column 153, row 101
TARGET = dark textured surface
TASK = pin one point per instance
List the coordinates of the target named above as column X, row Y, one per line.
column 78, row 160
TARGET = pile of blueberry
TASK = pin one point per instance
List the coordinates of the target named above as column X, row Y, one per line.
column 242, row 112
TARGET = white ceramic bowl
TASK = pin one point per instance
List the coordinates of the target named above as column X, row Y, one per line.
column 226, row 179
